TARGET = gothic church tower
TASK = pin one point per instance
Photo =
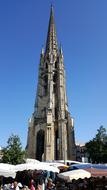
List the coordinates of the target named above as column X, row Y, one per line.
column 51, row 130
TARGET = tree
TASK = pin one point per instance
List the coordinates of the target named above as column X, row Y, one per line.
column 97, row 147
column 101, row 134
column 13, row 153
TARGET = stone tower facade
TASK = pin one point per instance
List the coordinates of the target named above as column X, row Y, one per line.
column 51, row 129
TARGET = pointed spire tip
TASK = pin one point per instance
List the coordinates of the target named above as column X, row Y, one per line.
column 52, row 9
column 51, row 43
column 51, row 5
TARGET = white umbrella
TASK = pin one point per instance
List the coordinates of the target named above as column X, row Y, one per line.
column 29, row 160
column 68, row 161
column 7, row 166
column 7, row 170
column 55, row 164
column 36, row 166
column 74, row 174
column 45, row 166
column 7, row 173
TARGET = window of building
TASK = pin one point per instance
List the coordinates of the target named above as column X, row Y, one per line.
column 45, row 90
column 46, row 79
column 46, row 65
column 56, row 113
column 54, row 78
column 56, row 64
column 54, row 88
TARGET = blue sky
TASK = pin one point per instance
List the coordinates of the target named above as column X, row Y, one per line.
column 82, row 30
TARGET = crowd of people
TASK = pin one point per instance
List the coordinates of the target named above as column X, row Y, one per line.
column 28, row 180
column 32, row 186
column 44, row 181
column 93, row 183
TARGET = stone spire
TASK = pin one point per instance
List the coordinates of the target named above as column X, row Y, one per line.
column 51, row 43
column 51, row 130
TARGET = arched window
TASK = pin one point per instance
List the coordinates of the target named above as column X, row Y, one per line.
column 45, row 89
column 56, row 64
column 54, row 88
column 46, row 65
column 56, row 144
column 56, row 113
column 46, row 79
column 40, row 145
column 54, row 77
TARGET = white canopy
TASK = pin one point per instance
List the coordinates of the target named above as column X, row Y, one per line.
column 30, row 160
column 36, row 166
column 7, row 173
column 67, row 161
column 6, row 166
column 56, row 164
column 7, row 170
column 74, row 174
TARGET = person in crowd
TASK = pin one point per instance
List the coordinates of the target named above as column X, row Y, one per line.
column 32, row 185
column 41, row 184
column 50, row 184
column 15, row 185
column 85, row 183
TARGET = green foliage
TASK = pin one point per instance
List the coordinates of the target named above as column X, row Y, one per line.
column 97, row 147
column 101, row 134
column 13, row 153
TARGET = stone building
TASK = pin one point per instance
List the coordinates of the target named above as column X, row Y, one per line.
column 51, row 129
column 81, row 153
